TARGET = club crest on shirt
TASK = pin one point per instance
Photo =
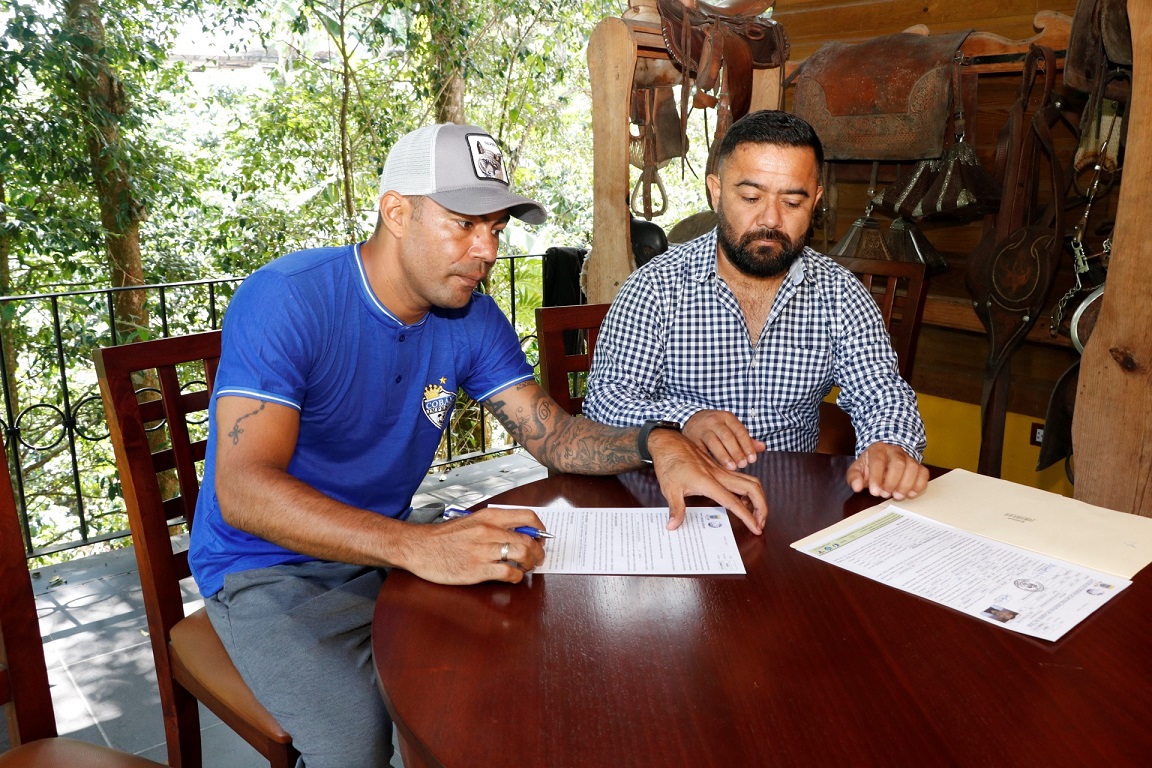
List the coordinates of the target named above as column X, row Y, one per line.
column 438, row 403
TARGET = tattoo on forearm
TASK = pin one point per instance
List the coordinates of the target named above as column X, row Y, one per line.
column 564, row 442
column 236, row 431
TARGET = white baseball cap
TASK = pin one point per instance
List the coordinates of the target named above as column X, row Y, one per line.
column 461, row 167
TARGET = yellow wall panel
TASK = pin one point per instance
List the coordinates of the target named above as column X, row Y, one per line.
column 954, row 442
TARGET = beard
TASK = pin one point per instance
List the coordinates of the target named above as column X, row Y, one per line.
column 761, row 261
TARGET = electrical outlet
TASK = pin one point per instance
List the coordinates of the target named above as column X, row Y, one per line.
column 1036, row 436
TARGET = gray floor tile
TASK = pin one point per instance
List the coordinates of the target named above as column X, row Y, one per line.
column 120, row 691
column 74, row 717
column 97, row 638
column 77, row 604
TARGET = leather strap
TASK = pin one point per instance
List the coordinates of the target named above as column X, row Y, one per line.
column 1010, row 276
column 645, row 431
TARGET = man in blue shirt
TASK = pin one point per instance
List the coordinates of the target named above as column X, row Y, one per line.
column 739, row 334
column 339, row 369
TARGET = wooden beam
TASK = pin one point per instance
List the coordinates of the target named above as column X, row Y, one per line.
column 611, row 64
column 1112, row 427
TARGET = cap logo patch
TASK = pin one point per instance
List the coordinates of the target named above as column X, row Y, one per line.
column 487, row 160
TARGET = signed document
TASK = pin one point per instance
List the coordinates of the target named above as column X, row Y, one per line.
column 635, row 541
column 1009, row 586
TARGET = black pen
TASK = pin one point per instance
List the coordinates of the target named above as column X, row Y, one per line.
column 451, row 513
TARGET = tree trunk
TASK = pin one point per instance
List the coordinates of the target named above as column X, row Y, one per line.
column 345, row 138
column 103, row 98
column 450, row 105
column 446, row 21
column 7, row 321
column 103, row 101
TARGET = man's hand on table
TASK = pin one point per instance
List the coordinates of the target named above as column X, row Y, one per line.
column 468, row 550
column 724, row 436
column 887, row 471
column 683, row 469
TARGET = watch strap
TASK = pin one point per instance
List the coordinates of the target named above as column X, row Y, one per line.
column 645, row 431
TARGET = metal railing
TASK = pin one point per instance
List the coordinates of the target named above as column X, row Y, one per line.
column 60, row 455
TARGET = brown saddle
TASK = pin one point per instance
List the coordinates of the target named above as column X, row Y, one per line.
column 886, row 98
column 718, row 45
column 1099, row 62
column 701, row 40
column 1100, row 40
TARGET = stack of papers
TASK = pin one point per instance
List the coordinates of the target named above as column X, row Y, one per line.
column 1021, row 558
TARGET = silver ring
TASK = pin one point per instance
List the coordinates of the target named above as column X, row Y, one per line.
column 504, row 551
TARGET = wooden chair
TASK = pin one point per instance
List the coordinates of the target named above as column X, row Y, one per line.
column 560, row 372
column 157, row 420
column 899, row 288
column 24, row 689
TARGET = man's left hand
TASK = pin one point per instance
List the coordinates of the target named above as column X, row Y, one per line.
column 887, row 471
column 685, row 470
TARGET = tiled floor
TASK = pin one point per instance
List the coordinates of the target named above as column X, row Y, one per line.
column 97, row 648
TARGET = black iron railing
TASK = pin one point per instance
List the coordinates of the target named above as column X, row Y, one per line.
column 60, row 457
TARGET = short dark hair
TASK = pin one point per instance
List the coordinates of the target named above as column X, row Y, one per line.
column 771, row 126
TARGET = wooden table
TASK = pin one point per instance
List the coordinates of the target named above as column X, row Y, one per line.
column 799, row 663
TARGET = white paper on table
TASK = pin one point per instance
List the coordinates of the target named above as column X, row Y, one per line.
column 999, row 583
column 592, row 540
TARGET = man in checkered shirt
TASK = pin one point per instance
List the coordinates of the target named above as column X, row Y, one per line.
column 739, row 334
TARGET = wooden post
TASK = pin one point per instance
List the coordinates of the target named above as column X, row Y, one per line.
column 1112, row 426
column 613, row 49
column 611, row 64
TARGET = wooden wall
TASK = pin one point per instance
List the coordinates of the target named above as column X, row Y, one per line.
column 952, row 349
column 811, row 22
column 950, row 357
column 1113, row 424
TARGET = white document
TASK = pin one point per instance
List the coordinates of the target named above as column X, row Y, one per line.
column 635, row 541
column 999, row 583
column 1048, row 523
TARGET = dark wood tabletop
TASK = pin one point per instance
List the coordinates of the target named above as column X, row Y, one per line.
column 798, row 663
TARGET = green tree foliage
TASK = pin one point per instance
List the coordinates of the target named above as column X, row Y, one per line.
column 220, row 177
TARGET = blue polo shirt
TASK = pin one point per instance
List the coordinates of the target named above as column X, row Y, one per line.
column 374, row 395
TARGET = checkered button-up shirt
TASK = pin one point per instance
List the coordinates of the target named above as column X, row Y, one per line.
column 675, row 342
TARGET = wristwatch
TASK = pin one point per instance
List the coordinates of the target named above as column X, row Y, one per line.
column 645, row 430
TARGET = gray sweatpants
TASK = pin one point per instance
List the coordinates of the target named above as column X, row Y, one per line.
column 301, row 636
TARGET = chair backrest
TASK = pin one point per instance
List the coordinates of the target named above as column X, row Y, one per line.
column 25, row 692
column 900, row 290
column 159, row 393
column 24, row 688
column 564, row 375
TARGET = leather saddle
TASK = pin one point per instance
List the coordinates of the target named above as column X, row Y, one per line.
column 1099, row 62
column 705, row 39
column 1100, row 40
column 718, row 45
column 886, row 98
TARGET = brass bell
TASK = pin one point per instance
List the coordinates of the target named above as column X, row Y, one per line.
column 907, row 242
column 862, row 240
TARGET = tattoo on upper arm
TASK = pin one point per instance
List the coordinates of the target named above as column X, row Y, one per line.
column 524, row 424
column 236, row 431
